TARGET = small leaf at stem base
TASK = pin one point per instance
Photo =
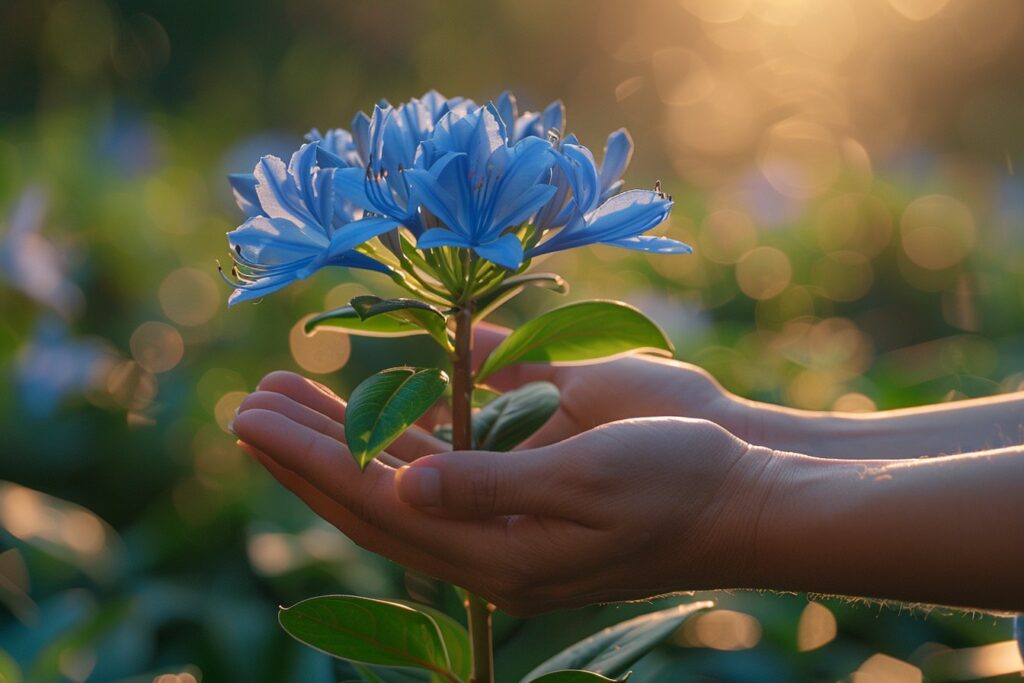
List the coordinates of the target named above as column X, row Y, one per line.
column 385, row 405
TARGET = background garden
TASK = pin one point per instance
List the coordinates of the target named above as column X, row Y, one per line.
column 849, row 173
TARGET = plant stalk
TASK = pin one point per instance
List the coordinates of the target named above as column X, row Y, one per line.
column 478, row 610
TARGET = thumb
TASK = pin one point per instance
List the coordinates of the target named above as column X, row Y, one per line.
column 484, row 483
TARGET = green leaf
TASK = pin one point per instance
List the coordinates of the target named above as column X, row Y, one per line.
column 613, row 650
column 9, row 670
column 346, row 318
column 368, row 631
column 513, row 417
column 583, row 331
column 385, row 405
column 372, row 316
column 513, row 286
column 572, row 676
column 455, row 636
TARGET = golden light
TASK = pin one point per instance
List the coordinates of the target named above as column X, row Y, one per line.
column 227, row 404
column 721, row 629
column 918, row 10
column 717, row 11
column 131, row 386
column 853, row 222
column 726, row 235
column 885, row 669
column 271, row 554
column 321, row 352
column 937, row 231
column 799, row 158
column 971, row 663
column 189, row 296
column 156, row 346
column 681, row 76
column 854, row 402
column 763, row 272
column 183, row 677
column 340, row 295
column 813, row 389
column 816, row 628
column 62, row 528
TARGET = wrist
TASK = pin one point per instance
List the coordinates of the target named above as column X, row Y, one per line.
column 818, row 526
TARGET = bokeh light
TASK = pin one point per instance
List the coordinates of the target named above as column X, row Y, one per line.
column 157, row 346
column 817, row 627
column 190, row 296
column 321, row 352
column 721, row 629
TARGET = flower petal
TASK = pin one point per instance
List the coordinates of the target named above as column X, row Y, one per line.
column 654, row 245
column 275, row 241
column 243, row 185
column 617, row 153
column 428, row 192
column 440, row 237
column 527, row 203
column 278, row 195
column 352, row 235
column 506, row 251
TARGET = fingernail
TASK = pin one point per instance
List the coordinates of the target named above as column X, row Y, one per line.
column 420, row 486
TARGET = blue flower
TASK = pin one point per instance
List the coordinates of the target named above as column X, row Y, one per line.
column 587, row 210
column 372, row 158
column 620, row 222
column 478, row 186
column 296, row 226
column 531, row 123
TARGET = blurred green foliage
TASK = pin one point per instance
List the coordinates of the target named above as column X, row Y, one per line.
column 846, row 172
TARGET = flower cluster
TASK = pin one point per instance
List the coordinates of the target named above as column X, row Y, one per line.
column 442, row 176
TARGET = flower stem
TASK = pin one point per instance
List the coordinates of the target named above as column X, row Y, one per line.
column 478, row 610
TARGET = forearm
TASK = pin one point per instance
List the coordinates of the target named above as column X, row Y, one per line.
column 959, row 427
column 946, row 531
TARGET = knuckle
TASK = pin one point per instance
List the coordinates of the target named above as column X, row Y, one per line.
column 261, row 398
column 483, row 491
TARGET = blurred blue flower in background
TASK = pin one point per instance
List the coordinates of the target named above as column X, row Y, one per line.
column 53, row 365
column 32, row 264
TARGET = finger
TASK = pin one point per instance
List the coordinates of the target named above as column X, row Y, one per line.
column 305, row 391
column 370, row 495
column 485, row 484
column 292, row 409
column 559, row 427
column 415, row 442
column 363, row 534
column 306, row 416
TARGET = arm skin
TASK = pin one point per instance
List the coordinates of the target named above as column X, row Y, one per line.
column 946, row 531
column 649, row 506
column 650, row 387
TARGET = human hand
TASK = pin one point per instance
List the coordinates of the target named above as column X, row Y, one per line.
column 629, row 387
column 629, row 510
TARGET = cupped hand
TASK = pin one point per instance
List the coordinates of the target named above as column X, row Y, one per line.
column 629, row 510
column 628, row 387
